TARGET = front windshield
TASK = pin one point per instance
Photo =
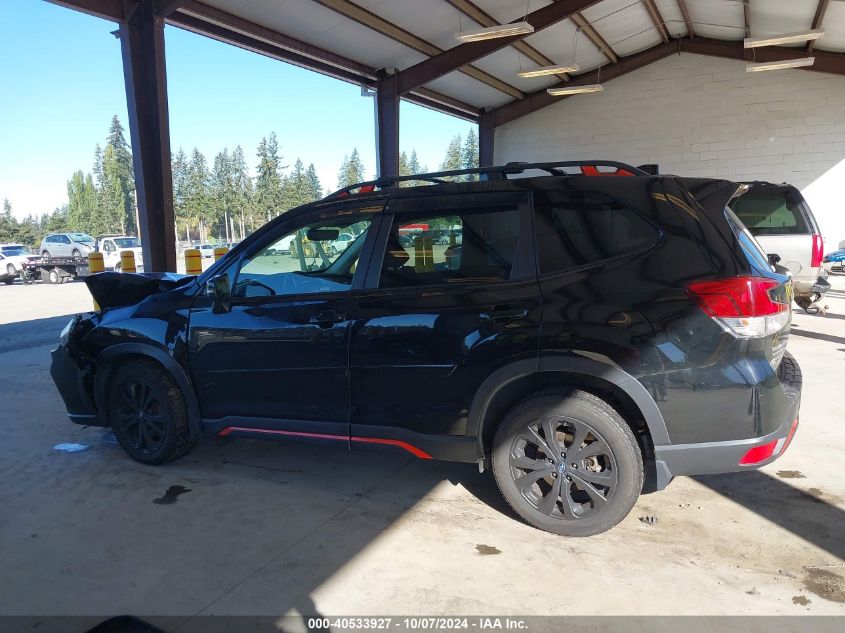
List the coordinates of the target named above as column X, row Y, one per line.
column 81, row 237
column 16, row 251
column 127, row 242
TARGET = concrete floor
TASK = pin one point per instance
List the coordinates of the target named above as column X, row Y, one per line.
column 271, row 529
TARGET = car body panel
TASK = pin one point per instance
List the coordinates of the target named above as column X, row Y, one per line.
column 419, row 368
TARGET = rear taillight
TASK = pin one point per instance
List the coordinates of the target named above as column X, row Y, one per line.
column 818, row 252
column 745, row 306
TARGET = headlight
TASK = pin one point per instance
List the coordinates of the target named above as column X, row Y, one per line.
column 65, row 335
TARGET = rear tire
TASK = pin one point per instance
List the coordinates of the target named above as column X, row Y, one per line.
column 45, row 255
column 561, row 487
column 117, row 267
column 53, row 277
column 147, row 413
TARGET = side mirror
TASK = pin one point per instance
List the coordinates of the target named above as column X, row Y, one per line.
column 774, row 258
column 218, row 289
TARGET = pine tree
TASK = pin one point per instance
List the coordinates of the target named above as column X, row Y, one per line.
column 296, row 187
column 243, row 204
column 122, row 172
column 452, row 160
column 268, row 181
column 351, row 170
column 315, row 190
column 414, row 164
column 469, row 153
column 179, row 169
column 196, row 193
column 113, row 216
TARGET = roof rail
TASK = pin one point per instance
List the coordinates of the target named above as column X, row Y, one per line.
column 499, row 172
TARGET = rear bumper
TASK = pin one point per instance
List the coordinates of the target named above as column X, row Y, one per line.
column 708, row 458
column 69, row 380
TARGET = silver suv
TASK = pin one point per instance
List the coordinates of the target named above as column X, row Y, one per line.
column 781, row 220
column 75, row 245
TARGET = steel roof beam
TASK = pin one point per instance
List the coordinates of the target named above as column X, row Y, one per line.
column 826, row 62
column 455, row 57
column 595, row 37
column 682, row 5
column 106, row 9
column 483, row 18
column 222, row 26
column 540, row 99
column 821, row 9
column 398, row 34
column 656, row 19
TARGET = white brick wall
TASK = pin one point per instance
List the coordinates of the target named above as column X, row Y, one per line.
column 704, row 116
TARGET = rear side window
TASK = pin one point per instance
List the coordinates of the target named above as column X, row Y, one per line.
column 771, row 211
column 465, row 246
column 579, row 228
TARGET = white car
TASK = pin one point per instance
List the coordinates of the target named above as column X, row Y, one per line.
column 341, row 243
column 206, row 250
column 12, row 257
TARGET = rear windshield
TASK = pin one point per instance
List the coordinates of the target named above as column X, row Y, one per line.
column 772, row 211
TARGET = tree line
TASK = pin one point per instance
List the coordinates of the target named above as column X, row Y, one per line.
column 220, row 201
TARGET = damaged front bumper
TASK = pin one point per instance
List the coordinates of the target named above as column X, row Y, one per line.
column 70, row 381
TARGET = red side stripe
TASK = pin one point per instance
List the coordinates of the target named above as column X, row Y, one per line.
column 413, row 450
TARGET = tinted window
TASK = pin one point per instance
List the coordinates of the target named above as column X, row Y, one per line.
column 579, row 228
column 771, row 211
column 307, row 260
column 451, row 248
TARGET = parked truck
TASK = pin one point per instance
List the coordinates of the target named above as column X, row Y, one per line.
column 112, row 245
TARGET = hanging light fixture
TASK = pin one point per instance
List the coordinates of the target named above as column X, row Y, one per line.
column 786, row 38
column 549, row 70
column 574, row 90
column 778, row 65
column 493, row 32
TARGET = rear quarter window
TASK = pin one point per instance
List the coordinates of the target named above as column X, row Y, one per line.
column 580, row 228
column 772, row 211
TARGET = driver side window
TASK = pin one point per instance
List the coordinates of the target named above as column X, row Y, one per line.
column 319, row 257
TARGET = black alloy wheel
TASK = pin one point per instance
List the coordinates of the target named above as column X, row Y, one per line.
column 563, row 467
column 141, row 416
column 147, row 412
column 567, row 462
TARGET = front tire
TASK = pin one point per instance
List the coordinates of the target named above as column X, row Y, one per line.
column 76, row 254
column 567, row 463
column 147, row 413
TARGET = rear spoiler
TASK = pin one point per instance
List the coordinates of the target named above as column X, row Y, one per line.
column 713, row 195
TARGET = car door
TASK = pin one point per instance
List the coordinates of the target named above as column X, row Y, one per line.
column 436, row 320
column 62, row 246
column 277, row 361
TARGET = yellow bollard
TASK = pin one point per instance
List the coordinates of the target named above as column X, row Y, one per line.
column 220, row 251
column 95, row 265
column 423, row 254
column 127, row 262
column 193, row 261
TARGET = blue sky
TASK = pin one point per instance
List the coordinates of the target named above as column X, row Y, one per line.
column 61, row 80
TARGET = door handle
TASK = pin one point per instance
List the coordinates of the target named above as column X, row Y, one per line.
column 505, row 313
column 326, row 319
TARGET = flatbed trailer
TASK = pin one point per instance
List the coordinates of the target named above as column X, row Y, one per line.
column 55, row 270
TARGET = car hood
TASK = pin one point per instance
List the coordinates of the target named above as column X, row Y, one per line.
column 113, row 290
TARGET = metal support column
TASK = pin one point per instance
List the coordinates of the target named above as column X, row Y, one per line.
column 387, row 125
column 144, row 71
column 486, row 136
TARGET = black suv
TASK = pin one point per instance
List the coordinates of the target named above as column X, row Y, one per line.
column 580, row 331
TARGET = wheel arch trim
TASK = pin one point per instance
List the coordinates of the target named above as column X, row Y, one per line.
column 573, row 364
column 106, row 363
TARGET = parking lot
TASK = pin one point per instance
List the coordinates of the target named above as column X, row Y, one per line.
column 251, row 527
